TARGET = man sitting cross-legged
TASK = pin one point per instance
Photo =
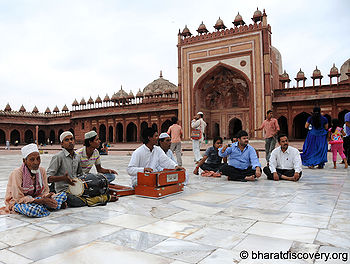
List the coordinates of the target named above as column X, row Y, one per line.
column 285, row 162
column 63, row 170
column 27, row 190
column 148, row 157
column 89, row 156
column 243, row 163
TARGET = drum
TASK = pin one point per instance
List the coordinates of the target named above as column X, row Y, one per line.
column 89, row 185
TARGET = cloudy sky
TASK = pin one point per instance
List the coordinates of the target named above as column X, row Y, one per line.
column 53, row 51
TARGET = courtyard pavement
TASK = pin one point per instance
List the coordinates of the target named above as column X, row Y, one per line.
column 212, row 221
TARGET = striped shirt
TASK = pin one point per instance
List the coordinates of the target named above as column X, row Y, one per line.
column 86, row 162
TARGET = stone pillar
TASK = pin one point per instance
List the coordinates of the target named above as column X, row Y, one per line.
column 124, row 129
column 36, row 134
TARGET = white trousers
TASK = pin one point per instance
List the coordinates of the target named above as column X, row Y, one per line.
column 197, row 150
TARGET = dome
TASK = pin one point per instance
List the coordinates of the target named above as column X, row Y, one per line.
column 316, row 72
column 90, row 101
column 106, row 99
column 219, row 24
column 47, row 111
column 131, row 95
column 161, row 85
column 257, row 16
column 115, row 97
column 139, row 93
column 202, row 29
column 22, row 109
column 8, row 108
column 285, row 75
column 186, row 32
column 98, row 100
column 238, row 20
column 75, row 103
column 300, row 74
column 121, row 93
column 334, row 70
column 35, row 110
column 56, row 110
column 82, row 102
column 65, row 108
column 344, row 69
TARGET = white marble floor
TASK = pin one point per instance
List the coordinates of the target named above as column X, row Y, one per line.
column 212, row 221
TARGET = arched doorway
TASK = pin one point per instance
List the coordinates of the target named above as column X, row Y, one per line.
column 59, row 134
column 110, row 134
column 329, row 119
column 2, row 137
column 102, row 134
column 299, row 129
column 119, row 131
column 165, row 126
column 41, row 137
column 216, row 130
column 341, row 115
column 235, row 125
column 28, row 136
column 221, row 91
column 131, row 132
column 15, row 136
column 144, row 125
column 52, row 136
column 283, row 123
column 155, row 127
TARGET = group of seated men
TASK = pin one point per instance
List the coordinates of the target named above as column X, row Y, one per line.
column 28, row 192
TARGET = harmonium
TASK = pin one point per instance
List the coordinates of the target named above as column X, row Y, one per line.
column 160, row 184
column 120, row 190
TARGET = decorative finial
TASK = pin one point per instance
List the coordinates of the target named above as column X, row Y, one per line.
column 161, row 74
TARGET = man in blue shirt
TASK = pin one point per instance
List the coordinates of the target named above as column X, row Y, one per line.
column 243, row 163
column 347, row 138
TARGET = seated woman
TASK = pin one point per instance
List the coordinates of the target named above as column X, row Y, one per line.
column 27, row 190
column 211, row 162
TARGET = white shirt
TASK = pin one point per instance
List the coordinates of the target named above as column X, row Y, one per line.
column 171, row 156
column 143, row 158
column 288, row 160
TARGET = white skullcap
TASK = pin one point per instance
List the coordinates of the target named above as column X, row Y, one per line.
column 90, row 134
column 164, row 135
column 200, row 113
column 29, row 149
column 64, row 134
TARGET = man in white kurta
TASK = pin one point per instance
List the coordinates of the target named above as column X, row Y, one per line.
column 148, row 157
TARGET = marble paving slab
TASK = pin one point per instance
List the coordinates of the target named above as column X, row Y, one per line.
column 181, row 250
column 222, row 256
column 187, row 205
column 210, row 197
column 130, row 221
column 9, row 257
column 20, row 235
column 289, row 232
column 7, row 223
column 333, row 238
column 340, row 255
column 307, row 220
column 104, row 252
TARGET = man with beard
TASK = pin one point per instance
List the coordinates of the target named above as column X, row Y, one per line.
column 285, row 162
column 243, row 163
column 27, row 190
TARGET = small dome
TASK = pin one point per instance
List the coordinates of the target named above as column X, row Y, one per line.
column 257, row 16
column 35, row 110
column 121, row 93
column 82, row 102
column 75, row 103
column 334, row 70
column 202, row 29
column 47, row 111
column 316, row 72
column 238, row 18
column 219, row 24
column 65, row 108
column 285, row 75
column 56, row 110
column 186, row 32
column 98, row 100
column 344, row 69
column 90, row 101
column 22, row 109
column 106, row 99
column 8, row 108
column 300, row 74
column 159, row 84
column 131, row 95
column 115, row 97
column 139, row 94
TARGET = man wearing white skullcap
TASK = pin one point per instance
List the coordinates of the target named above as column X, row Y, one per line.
column 90, row 156
column 63, row 170
column 197, row 135
column 27, row 190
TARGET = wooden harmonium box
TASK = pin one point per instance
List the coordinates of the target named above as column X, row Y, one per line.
column 160, row 184
column 120, row 190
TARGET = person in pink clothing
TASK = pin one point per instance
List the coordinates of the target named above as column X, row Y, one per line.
column 271, row 128
column 335, row 137
column 175, row 131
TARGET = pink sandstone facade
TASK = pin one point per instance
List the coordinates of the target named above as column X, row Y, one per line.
column 232, row 75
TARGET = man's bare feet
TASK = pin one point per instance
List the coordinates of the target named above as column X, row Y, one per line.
column 311, row 167
column 250, row 178
column 334, row 167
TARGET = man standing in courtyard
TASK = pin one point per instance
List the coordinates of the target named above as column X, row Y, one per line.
column 271, row 128
column 175, row 132
column 347, row 138
column 198, row 127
